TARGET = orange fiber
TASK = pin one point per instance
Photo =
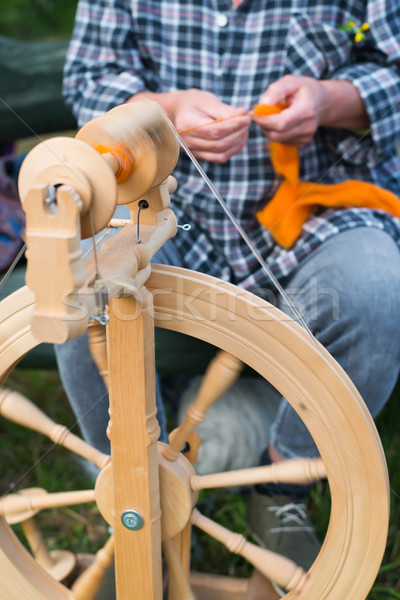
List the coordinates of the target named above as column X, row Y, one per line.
column 126, row 162
column 295, row 201
column 264, row 110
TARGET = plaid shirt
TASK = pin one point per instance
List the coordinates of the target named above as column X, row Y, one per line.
column 121, row 47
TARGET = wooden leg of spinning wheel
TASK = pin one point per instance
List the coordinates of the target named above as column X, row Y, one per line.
column 260, row 588
column 181, row 543
column 133, row 434
column 88, row 585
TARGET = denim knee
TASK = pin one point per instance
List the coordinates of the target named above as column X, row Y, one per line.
column 349, row 294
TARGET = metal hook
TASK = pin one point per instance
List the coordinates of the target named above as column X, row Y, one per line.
column 143, row 204
column 103, row 318
column 185, row 227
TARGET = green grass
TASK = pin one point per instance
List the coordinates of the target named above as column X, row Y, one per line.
column 28, row 459
column 31, row 460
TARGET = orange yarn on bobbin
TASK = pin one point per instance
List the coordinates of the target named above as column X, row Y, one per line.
column 126, row 162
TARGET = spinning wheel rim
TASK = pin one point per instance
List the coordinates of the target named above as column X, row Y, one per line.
column 333, row 577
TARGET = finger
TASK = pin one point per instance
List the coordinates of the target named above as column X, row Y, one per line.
column 294, row 137
column 293, row 119
column 225, row 128
column 281, row 90
column 218, row 146
column 220, row 128
column 216, row 155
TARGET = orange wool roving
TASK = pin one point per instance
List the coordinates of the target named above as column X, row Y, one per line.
column 295, row 201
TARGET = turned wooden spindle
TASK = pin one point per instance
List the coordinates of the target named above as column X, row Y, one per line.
column 183, row 546
column 300, row 470
column 87, row 585
column 179, row 588
column 16, row 506
column 58, row 563
column 17, row 408
column 37, row 543
column 221, row 374
column 274, row 566
column 98, row 349
column 117, row 223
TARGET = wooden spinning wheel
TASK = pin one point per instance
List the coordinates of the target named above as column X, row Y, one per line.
column 148, row 490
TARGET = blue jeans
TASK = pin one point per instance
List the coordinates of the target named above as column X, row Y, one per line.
column 348, row 292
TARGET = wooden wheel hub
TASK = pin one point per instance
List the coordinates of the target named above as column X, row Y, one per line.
column 176, row 496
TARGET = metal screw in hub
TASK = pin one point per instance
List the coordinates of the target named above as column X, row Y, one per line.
column 132, row 519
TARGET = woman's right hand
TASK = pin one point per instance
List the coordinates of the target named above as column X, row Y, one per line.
column 187, row 109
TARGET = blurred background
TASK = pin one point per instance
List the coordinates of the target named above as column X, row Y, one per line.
column 37, row 19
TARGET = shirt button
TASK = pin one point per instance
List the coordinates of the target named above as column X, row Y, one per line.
column 222, row 20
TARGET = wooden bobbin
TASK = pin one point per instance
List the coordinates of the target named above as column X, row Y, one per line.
column 140, row 140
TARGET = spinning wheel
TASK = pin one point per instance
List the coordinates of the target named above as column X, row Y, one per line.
column 148, row 491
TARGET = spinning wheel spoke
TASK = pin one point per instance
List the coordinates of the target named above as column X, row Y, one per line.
column 273, row 566
column 17, row 408
column 300, row 470
column 58, row 563
column 15, row 506
column 221, row 374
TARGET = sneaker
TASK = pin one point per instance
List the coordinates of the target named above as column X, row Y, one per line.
column 282, row 525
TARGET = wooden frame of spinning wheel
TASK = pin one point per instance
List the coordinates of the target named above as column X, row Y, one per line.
column 157, row 487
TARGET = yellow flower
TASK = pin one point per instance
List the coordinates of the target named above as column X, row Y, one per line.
column 358, row 37
column 364, row 27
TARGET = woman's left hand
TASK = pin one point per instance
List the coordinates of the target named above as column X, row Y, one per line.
column 310, row 104
column 307, row 103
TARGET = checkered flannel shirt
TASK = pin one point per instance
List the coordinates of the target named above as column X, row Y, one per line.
column 121, row 47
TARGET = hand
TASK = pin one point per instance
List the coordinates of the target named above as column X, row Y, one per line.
column 311, row 103
column 308, row 103
column 195, row 108
column 215, row 142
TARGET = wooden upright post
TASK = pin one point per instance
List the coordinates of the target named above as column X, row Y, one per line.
column 133, row 434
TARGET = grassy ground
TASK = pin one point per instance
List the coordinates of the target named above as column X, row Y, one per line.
column 28, row 459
